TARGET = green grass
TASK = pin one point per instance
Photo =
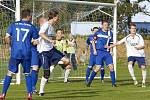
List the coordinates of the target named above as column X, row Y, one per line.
column 57, row 90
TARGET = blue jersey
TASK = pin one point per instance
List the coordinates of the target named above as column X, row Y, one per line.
column 34, row 47
column 89, row 42
column 21, row 33
column 103, row 38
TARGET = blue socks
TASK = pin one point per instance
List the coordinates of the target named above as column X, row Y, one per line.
column 34, row 76
column 102, row 73
column 6, row 84
column 112, row 75
column 88, row 70
column 92, row 76
column 28, row 83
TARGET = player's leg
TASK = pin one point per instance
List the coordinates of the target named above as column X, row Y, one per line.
column 45, row 60
column 131, row 61
column 142, row 65
column 35, row 63
column 90, row 66
column 34, row 76
column 52, row 68
column 67, row 66
column 109, row 63
column 26, row 64
column 59, row 58
column 98, row 60
column 13, row 68
column 102, row 70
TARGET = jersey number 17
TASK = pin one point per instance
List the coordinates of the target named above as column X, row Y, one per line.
column 22, row 30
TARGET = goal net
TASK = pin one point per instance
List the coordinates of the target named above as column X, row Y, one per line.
column 7, row 16
column 76, row 17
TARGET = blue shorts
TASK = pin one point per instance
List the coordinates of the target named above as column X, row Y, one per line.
column 14, row 63
column 49, row 58
column 35, row 60
column 140, row 60
column 92, row 61
column 103, row 56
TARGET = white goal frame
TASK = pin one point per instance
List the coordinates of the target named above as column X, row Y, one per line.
column 114, row 5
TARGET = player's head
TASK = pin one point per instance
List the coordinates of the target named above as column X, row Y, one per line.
column 94, row 29
column 105, row 25
column 26, row 14
column 59, row 34
column 53, row 15
column 132, row 28
column 42, row 20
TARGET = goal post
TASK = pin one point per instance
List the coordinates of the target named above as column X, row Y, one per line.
column 10, row 12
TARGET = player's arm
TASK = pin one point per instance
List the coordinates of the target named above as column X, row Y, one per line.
column 42, row 33
column 117, row 43
column 93, row 44
column 7, row 39
column 8, row 34
column 87, row 46
column 141, row 44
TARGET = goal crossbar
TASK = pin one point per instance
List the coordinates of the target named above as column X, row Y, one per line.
column 81, row 2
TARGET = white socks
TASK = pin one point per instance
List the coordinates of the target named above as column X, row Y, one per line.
column 42, row 85
column 144, row 75
column 131, row 70
column 51, row 68
column 66, row 75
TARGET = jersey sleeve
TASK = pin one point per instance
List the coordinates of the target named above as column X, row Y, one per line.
column 35, row 33
column 141, row 41
column 43, row 28
column 122, row 41
column 9, row 30
column 111, row 34
column 88, row 41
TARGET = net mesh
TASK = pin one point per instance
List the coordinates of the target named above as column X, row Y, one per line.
column 6, row 17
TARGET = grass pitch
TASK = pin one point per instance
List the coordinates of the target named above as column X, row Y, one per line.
column 76, row 90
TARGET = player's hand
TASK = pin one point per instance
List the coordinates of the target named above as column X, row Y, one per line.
column 106, row 46
column 137, row 48
column 35, row 42
column 86, row 53
column 51, row 41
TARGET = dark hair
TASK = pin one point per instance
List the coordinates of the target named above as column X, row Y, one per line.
column 132, row 24
column 52, row 13
column 25, row 13
column 59, row 30
column 104, row 21
column 94, row 28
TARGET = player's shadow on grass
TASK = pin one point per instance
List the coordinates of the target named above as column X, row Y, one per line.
column 66, row 97
column 125, row 82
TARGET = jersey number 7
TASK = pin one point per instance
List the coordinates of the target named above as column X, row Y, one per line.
column 25, row 35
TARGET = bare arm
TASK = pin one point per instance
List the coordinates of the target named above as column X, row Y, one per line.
column 43, row 36
column 7, row 39
column 94, row 47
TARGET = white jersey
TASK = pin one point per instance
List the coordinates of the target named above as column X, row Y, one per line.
column 131, row 43
column 44, row 45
